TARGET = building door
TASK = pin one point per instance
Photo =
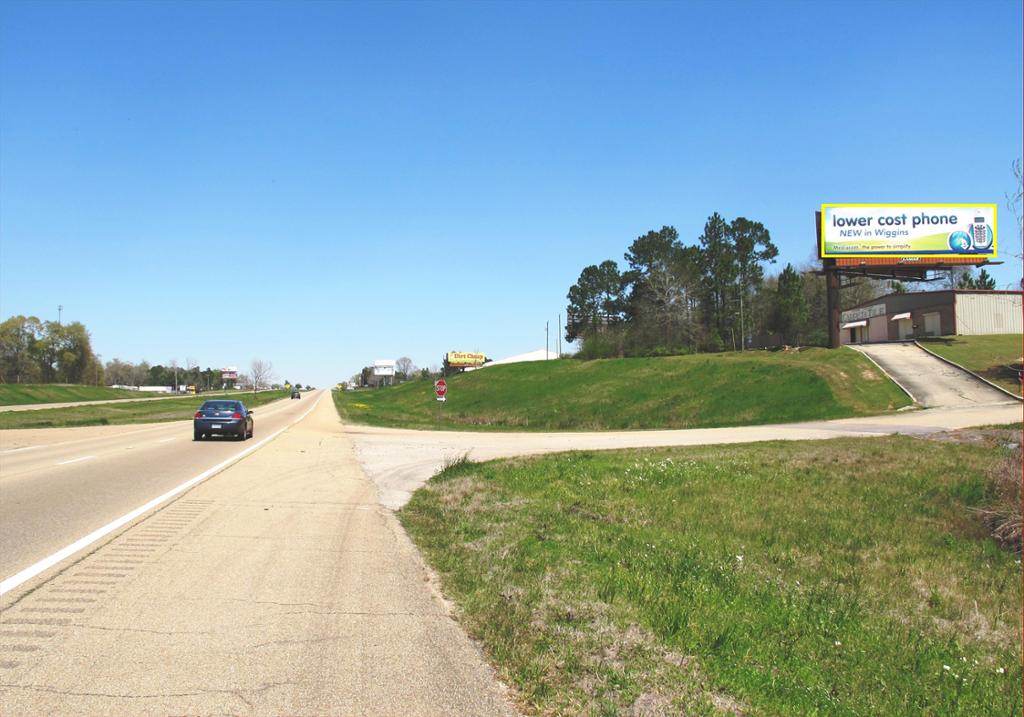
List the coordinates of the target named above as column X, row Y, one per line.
column 931, row 325
column 878, row 329
column 905, row 327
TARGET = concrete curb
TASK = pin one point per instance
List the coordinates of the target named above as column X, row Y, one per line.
column 884, row 373
column 967, row 370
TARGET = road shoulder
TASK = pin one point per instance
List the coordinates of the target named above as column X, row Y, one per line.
column 278, row 587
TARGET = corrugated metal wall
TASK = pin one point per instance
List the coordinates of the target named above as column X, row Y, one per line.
column 988, row 314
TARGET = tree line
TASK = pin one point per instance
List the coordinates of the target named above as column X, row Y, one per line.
column 405, row 370
column 673, row 297
column 36, row 351
column 127, row 373
column 712, row 295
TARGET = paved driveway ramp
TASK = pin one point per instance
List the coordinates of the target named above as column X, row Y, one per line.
column 933, row 382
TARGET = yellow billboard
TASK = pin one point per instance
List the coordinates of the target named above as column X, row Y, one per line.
column 934, row 231
column 463, row 359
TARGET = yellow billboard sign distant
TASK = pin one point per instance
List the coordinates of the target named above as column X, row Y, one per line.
column 464, row 359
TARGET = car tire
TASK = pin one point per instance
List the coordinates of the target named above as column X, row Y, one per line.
column 242, row 435
column 197, row 436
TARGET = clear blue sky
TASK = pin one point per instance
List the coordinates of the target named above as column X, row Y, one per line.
column 324, row 184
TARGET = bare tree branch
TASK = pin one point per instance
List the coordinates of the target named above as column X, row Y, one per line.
column 262, row 372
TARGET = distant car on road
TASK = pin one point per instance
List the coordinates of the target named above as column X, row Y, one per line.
column 223, row 418
column 295, row 393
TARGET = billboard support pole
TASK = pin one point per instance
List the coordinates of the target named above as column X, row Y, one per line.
column 831, row 289
column 832, row 301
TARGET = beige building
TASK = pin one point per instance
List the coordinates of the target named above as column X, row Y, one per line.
column 964, row 312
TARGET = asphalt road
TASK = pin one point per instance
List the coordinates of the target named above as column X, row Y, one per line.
column 72, row 404
column 58, row 485
column 281, row 584
column 278, row 587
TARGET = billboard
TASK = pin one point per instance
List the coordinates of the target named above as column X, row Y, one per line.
column 229, row 373
column 900, row 231
column 384, row 367
column 464, row 359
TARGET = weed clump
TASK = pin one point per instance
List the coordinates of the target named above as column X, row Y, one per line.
column 1003, row 513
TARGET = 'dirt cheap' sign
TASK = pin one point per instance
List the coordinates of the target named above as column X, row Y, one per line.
column 898, row 230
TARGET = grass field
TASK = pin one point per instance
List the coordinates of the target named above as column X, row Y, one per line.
column 996, row 357
column 840, row 577
column 173, row 409
column 674, row 392
column 14, row 394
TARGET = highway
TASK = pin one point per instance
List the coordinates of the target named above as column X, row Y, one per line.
column 58, row 485
column 277, row 584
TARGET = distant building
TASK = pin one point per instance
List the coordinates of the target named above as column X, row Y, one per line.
column 948, row 312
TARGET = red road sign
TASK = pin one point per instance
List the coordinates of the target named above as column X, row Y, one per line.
column 440, row 388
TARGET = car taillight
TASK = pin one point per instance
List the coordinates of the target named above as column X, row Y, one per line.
column 199, row 414
column 236, row 414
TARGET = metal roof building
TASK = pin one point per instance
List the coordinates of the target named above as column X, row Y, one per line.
column 964, row 312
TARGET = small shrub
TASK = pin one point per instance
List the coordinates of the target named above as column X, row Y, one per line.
column 1003, row 513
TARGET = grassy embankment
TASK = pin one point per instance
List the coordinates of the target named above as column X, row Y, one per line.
column 173, row 409
column 841, row 577
column 676, row 392
column 15, row 394
column 996, row 358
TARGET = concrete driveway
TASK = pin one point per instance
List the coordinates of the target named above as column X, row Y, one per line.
column 932, row 382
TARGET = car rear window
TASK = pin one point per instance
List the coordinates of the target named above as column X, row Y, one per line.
column 220, row 406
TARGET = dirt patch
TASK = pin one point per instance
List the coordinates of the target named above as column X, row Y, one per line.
column 651, row 705
column 987, row 437
column 727, row 704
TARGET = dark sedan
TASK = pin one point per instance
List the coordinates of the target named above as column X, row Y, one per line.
column 222, row 418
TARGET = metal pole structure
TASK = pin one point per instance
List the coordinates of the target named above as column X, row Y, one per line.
column 558, row 341
column 60, row 310
column 832, row 300
column 546, row 342
column 831, row 290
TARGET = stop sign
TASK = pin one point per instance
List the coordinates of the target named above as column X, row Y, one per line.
column 440, row 388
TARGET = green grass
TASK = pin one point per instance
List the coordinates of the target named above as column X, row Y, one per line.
column 173, row 409
column 14, row 394
column 705, row 390
column 838, row 577
column 996, row 357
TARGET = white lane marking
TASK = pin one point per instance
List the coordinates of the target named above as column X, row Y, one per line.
column 74, row 460
column 23, row 448
column 31, row 571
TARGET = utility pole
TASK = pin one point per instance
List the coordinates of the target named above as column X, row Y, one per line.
column 546, row 342
column 60, row 309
